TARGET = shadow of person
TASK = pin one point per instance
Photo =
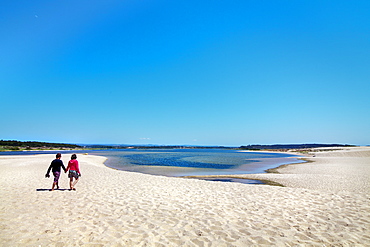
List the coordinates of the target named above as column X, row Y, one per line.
column 49, row 189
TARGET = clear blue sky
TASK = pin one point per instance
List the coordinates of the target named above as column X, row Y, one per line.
column 185, row 72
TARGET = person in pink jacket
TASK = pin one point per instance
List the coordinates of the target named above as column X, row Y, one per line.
column 74, row 171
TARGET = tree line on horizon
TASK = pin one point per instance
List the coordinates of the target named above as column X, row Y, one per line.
column 292, row 146
column 17, row 145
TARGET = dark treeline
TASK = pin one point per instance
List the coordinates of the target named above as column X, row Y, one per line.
column 34, row 144
column 292, row 146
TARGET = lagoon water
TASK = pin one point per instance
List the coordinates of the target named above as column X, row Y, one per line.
column 190, row 162
column 187, row 162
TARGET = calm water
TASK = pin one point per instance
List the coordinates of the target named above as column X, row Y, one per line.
column 188, row 162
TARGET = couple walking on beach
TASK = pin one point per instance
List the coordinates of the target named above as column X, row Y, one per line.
column 73, row 168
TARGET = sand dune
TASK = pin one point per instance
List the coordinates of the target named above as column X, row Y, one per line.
column 117, row 208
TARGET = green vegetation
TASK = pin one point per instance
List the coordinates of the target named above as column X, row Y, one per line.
column 286, row 147
column 10, row 145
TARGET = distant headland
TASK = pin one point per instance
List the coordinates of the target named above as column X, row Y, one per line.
column 12, row 145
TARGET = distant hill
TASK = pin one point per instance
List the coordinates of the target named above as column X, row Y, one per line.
column 31, row 145
column 291, row 146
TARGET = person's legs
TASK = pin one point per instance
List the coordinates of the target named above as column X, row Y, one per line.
column 56, row 179
column 71, row 183
column 52, row 188
column 75, row 183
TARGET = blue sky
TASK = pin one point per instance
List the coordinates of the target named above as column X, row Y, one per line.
column 185, row 72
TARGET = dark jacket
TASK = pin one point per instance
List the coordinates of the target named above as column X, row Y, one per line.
column 55, row 166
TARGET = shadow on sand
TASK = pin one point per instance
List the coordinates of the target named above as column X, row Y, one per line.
column 50, row 189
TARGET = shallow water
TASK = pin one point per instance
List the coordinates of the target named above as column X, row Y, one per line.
column 191, row 162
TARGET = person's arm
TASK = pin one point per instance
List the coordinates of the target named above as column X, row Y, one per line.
column 64, row 168
column 78, row 168
column 47, row 175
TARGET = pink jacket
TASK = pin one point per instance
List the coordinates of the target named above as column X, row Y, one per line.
column 73, row 165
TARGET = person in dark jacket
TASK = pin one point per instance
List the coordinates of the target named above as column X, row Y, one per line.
column 55, row 167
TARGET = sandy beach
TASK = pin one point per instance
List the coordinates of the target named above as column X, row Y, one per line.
column 324, row 203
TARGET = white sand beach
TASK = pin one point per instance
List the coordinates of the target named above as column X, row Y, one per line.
column 324, row 203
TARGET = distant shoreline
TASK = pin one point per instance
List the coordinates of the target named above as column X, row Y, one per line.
column 13, row 145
